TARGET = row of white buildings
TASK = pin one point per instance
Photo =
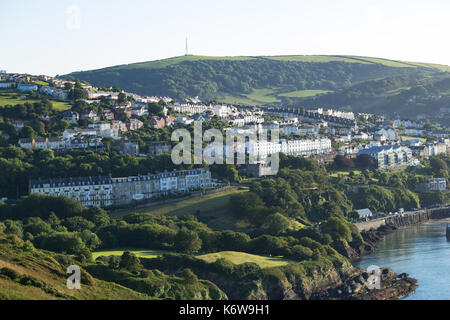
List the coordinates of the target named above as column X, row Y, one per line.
column 304, row 147
column 107, row 191
column 263, row 148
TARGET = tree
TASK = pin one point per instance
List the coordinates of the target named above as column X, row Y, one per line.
column 67, row 242
column 122, row 97
column 353, row 215
column 78, row 92
column 38, row 127
column 235, row 241
column 301, row 252
column 68, row 86
column 437, row 165
column 53, row 220
column 187, row 241
column 189, row 277
column 231, row 174
column 36, row 226
column 338, row 229
column 13, row 227
column 129, row 261
column 98, row 216
column 78, row 224
column 242, row 204
column 28, row 132
column 365, row 161
column 343, row 162
column 37, row 205
column 276, row 223
column 155, row 109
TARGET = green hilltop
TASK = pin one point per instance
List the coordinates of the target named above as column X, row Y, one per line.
column 267, row 80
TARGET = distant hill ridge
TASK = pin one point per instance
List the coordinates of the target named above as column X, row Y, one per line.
column 253, row 80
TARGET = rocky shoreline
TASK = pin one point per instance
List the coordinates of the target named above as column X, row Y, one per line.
column 393, row 286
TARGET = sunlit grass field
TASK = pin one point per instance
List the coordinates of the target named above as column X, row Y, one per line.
column 303, row 93
column 211, row 208
column 241, row 257
column 232, row 256
column 406, row 138
column 13, row 98
column 141, row 253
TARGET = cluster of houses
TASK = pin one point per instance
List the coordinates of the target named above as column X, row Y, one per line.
column 322, row 133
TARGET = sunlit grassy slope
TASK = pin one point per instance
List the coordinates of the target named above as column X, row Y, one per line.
column 241, row 257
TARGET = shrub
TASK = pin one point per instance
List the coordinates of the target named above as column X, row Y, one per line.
column 187, row 241
column 301, row 253
column 189, row 277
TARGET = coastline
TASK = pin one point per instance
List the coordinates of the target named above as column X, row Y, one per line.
column 394, row 286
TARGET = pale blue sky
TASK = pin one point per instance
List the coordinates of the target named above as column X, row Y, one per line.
column 35, row 37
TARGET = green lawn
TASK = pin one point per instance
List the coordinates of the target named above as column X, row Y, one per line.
column 258, row 96
column 344, row 173
column 241, row 257
column 303, row 93
column 263, row 95
column 13, row 98
column 406, row 138
column 212, row 208
column 41, row 83
column 267, row 95
column 440, row 67
column 316, row 59
column 61, row 106
column 141, row 253
column 231, row 99
column 386, row 62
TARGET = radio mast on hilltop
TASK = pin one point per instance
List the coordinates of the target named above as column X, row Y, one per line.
column 187, row 47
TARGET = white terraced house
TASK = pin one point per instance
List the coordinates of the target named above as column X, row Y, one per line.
column 90, row 191
column 305, row 147
column 107, row 191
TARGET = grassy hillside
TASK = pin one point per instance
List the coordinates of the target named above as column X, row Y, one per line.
column 212, row 209
column 232, row 256
column 12, row 98
column 242, row 257
column 408, row 96
column 27, row 273
column 251, row 80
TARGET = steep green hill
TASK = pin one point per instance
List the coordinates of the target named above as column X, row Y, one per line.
column 27, row 273
column 252, row 80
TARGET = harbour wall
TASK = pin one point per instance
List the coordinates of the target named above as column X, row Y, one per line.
column 405, row 219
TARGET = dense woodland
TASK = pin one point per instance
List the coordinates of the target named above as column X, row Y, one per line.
column 209, row 78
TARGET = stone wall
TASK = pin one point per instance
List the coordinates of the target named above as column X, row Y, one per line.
column 405, row 219
column 369, row 225
column 408, row 218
